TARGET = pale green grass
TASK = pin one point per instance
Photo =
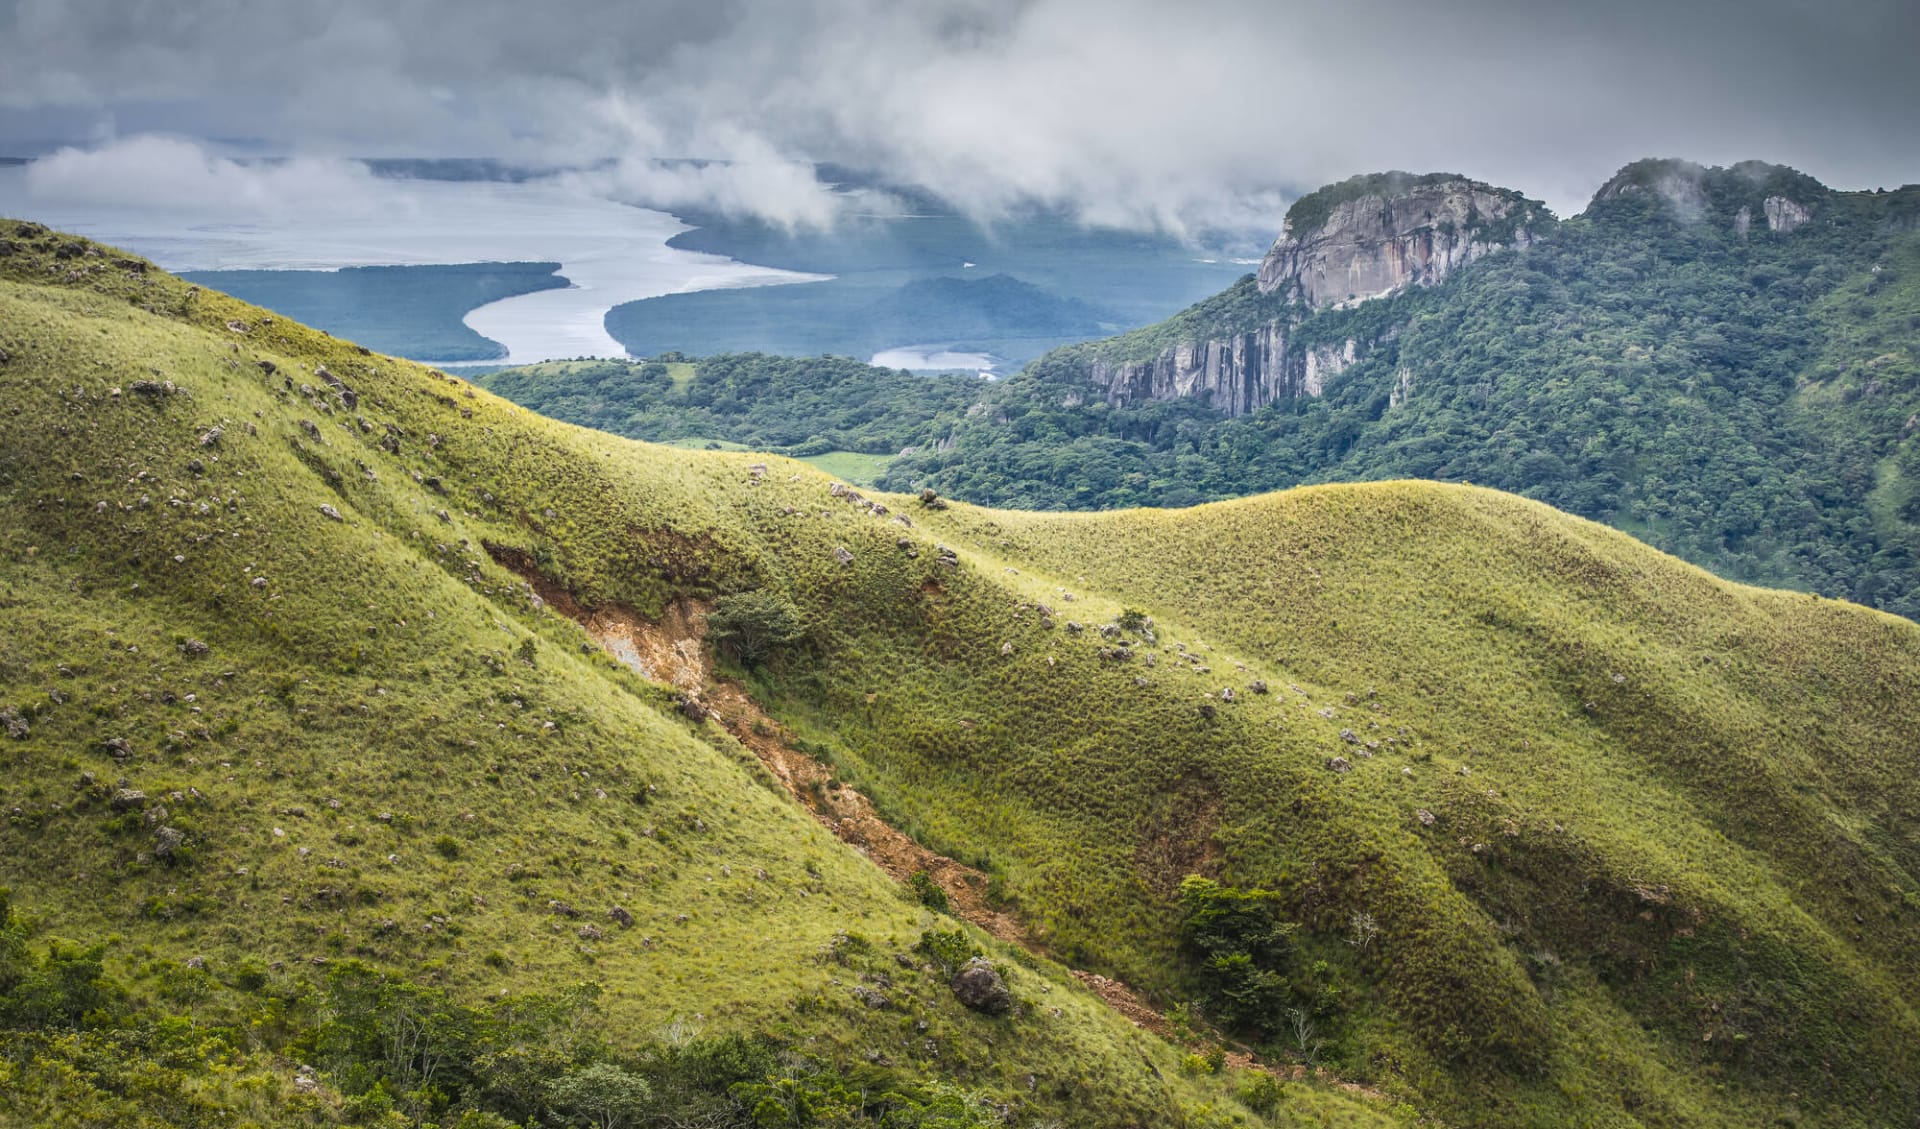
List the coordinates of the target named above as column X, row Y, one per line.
column 859, row 469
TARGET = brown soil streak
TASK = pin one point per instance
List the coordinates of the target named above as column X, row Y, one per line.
column 673, row 652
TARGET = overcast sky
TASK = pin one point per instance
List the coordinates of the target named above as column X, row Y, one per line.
column 1167, row 114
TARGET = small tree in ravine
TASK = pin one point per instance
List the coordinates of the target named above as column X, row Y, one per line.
column 1244, row 951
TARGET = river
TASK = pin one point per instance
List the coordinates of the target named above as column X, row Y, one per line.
column 611, row 252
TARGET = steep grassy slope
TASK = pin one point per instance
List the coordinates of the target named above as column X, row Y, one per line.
column 1552, row 829
column 243, row 574
column 1671, row 845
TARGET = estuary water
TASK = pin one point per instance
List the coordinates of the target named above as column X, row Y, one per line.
column 611, row 252
column 935, row 358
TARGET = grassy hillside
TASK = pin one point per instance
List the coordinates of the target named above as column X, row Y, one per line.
column 363, row 750
column 1489, row 811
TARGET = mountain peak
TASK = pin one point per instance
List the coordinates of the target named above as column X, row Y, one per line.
column 1736, row 195
column 1376, row 234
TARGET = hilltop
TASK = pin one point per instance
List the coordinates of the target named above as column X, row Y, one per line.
column 343, row 697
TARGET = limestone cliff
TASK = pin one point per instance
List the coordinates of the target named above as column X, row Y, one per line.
column 1240, row 373
column 1362, row 238
column 1376, row 235
column 1267, row 339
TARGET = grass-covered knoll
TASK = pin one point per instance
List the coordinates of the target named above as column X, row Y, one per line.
column 293, row 774
column 1650, row 364
column 409, row 311
column 790, row 405
column 1495, row 810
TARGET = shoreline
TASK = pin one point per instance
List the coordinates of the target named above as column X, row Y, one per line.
column 613, row 253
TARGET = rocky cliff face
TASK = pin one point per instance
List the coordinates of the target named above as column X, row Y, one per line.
column 1363, row 238
column 1378, row 235
column 1240, row 373
column 1373, row 236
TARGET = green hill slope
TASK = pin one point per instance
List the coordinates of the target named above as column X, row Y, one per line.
column 259, row 753
column 1491, row 810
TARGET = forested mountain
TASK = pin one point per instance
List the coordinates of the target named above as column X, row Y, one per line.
column 378, row 752
column 1721, row 361
column 1725, row 362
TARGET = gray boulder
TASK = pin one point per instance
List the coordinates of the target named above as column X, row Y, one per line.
column 979, row 987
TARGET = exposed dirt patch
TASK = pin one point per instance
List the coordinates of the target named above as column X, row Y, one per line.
column 672, row 650
column 1121, row 998
column 850, row 815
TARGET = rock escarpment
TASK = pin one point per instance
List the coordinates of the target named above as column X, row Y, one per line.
column 1368, row 237
column 1374, row 236
column 1240, row 373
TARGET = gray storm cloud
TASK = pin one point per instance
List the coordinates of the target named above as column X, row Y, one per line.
column 1165, row 115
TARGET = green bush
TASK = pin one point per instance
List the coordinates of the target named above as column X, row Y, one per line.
column 752, row 625
column 1242, row 952
column 948, row 949
column 930, row 894
column 1262, row 1092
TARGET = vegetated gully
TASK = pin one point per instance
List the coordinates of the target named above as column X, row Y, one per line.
column 673, row 652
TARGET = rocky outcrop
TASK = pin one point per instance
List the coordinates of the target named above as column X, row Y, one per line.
column 1241, row 373
column 1402, row 387
column 1374, row 236
column 1362, row 238
column 978, row 986
column 1783, row 215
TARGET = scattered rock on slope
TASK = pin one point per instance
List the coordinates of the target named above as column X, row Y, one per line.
column 979, row 987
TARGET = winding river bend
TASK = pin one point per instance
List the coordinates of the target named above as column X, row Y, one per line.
column 611, row 252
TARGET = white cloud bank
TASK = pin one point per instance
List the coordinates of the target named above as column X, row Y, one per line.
column 180, row 175
column 1141, row 113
